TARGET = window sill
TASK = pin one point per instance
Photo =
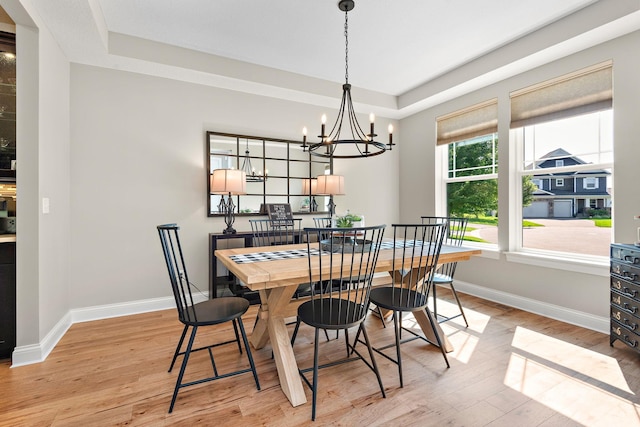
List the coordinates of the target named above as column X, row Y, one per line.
column 597, row 266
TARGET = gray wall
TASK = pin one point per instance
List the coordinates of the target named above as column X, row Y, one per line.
column 138, row 160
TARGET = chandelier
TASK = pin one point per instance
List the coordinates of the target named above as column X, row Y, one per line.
column 249, row 170
column 358, row 143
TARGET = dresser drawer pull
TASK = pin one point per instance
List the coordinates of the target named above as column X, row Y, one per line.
column 633, row 259
column 631, row 310
column 632, row 326
column 630, row 276
column 633, row 343
column 630, row 292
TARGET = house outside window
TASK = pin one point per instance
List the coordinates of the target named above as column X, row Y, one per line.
column 562, row 131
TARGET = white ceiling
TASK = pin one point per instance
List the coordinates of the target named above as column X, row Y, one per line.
column 395, row 47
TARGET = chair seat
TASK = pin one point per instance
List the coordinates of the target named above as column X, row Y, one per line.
column 392, row 299
column 331, row 313
column 216, row 310
column 442, row 278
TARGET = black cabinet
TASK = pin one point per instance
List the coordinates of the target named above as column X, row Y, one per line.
column 228, row 284
column 625, row 295
column 7, row 298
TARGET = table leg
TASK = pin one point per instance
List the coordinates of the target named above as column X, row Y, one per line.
column 273, row 315
column 425, row 325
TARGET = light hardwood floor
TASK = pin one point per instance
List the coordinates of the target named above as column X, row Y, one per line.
column 509, row 368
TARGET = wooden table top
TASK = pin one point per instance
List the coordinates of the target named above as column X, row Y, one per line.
column 285, row 272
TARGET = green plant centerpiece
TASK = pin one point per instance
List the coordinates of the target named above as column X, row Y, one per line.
column 347, row 220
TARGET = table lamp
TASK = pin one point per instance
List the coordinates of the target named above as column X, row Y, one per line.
column 310, row 188
column 230, row 182
column 330, row 185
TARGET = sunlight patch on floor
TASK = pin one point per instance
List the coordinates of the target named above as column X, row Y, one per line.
column 477, row 321
column 537, row 373
column 590, row 363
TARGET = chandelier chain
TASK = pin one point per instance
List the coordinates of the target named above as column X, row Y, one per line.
column 346, row 47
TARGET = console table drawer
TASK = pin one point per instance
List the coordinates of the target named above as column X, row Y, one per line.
column 625, row 253
column 627, row 271
column 625, row 287
column 622, row 333
column 625, row 303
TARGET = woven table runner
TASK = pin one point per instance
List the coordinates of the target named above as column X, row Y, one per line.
column 301, row 253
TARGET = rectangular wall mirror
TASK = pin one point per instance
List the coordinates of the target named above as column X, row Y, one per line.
column 276, row 172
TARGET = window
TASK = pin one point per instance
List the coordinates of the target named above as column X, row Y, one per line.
column 469, row 145
column 590, row 183
column 537, row 183
column 563, row 128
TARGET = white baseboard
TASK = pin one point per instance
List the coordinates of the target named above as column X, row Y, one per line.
column 35, row 353
column 574, row 317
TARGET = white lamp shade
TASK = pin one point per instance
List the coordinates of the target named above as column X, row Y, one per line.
column 330, row 185
column 310, row 185
column 228, row 181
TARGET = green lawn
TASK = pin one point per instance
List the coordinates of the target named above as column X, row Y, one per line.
column 602, row 222
column 492, row 220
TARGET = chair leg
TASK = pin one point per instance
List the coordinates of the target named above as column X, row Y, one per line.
column 235, row 330
column 384, row 324
column 373, row 360
column 397, row 316
column 185, row 359
column 455, row 294
column 346, row 341
column 249, row 355
column 314, row 389
column 177, row 352
column 295, row 332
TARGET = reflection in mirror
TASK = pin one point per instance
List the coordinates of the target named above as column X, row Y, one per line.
column 285, row 166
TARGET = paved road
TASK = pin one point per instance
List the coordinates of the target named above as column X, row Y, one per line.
column 566, row 235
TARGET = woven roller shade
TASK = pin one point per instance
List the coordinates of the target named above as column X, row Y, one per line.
column 585, row 91
column 477, row 120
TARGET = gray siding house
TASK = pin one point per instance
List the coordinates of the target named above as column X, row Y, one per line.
column 567, row 194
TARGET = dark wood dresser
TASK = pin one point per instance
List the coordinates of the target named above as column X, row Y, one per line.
column 625, row 295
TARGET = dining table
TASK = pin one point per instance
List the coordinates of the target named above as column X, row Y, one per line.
column 276, row 272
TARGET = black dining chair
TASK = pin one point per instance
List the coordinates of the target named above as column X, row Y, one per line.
column 322, row 222
column 274, row 232
column 269, row 232
column 415, row 255
column 195, row 313
column 456, row 230
column 348, row 253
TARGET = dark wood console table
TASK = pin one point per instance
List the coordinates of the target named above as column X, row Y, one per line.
column 229, row 279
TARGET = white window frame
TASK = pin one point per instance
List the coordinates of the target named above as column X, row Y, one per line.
column 559, row 182
column 587, row 180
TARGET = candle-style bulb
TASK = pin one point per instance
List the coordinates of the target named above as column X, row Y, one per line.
column 324, row 119
column 390, row 128
column 372, row 118
column 304, row 131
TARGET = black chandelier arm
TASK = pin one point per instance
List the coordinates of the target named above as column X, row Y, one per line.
column 375, row 148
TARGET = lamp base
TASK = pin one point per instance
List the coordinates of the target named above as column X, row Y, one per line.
column 229, row 230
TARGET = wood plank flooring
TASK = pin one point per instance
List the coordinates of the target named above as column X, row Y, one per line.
column 509, row 368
